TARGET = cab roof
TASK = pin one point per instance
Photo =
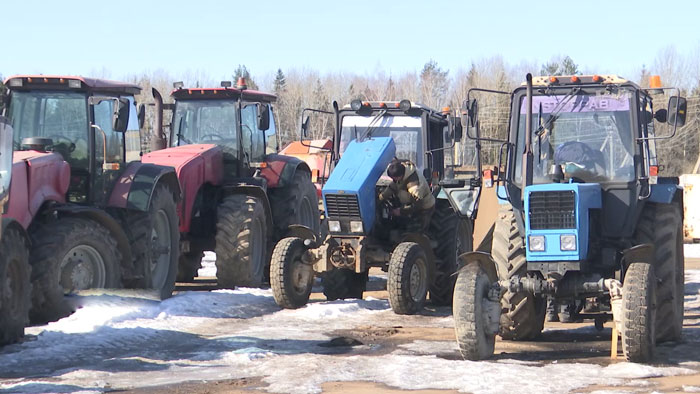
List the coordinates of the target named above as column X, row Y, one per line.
column 572, row 80
column 221, row 94
column 69, row 82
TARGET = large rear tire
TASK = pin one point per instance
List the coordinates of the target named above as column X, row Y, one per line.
column 454, row 237
column 476, row 316
column 155, row 243
column 290, row 278
column 68, row 255
column 662, row 226
column 639, row 313
column 296, row 203
column 343, row 283
column 241, row 237
column 524, row 313
column 407, row 283
column 15, row 288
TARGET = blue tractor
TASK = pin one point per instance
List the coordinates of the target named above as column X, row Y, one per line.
column 361, row 232
column 585, row 221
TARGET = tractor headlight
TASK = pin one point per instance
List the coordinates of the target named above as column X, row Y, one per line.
column 567, row 242
column 536, row 243
column 334, row 226
column 356, row 227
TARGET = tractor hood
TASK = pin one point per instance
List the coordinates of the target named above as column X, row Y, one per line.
column 350, row 192
column 197, row 162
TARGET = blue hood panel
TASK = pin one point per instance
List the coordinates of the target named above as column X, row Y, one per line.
column 358, row 171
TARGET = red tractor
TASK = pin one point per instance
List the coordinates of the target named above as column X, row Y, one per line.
column 239, row 195
column 95, row 219
column 14, row 253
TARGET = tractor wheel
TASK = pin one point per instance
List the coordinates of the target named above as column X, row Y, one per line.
column 188, row 265
column 296, row 203
column 241, row 238
column 15, row 288
column 155, row 243
column 524, row 313
column 639, row 312
column 476, row 316
column 343, row 283
column 408, row 278
column 662, row 226
column 454, row 237
column 290, row 278
column 67, row 255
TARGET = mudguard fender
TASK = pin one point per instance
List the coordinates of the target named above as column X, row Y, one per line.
column 280, row 170
column 135, row 187
column 303, row 232
column 482, row 259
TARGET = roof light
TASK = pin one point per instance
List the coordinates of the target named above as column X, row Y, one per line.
column 382, row 105
column 367, row 104
column 178, row 85
column 575, row 79
column 226, row 84
column 597, row 78
column 16, row 82
column 46, row 80
column 61, row 80
column 397, row 105
column 74, row 83
column 553, row 79
column 653, row 170
column 655, row 81
column 355, row 105
column 405, row 105
column 241, row 85
column 29, row 80
column 446, row 110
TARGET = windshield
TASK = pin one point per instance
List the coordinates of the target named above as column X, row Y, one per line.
column 588, row 135
column 206, row 122
column 405, row 131
column 61, row 116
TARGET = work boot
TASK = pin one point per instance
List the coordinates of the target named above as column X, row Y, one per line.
column 552, row 311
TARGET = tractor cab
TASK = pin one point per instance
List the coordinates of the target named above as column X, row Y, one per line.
column 83, row 119
column 237, row 120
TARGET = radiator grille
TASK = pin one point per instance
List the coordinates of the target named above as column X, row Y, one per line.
column 552, row 210
column 342, row 205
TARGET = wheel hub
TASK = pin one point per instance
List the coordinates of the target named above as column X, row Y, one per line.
column 300, row 276
column 82, row 268
column 160, row 249
column 416, row 285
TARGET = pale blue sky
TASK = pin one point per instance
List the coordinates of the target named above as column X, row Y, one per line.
column 129, row 37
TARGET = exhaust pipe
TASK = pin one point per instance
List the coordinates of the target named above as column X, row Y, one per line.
column 158, row 141
column 527, row 155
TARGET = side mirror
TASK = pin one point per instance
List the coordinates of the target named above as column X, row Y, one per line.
column 263, row 117
column 3, row 100
column 142, row 115
column 305, row 127
column 120, row 116
column 660, row 115
column 457, row 123
column 677, row 110
column 473, row 112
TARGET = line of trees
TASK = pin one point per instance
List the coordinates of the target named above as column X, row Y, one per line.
column 432, row 85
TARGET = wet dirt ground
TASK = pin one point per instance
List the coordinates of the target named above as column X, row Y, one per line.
column 559, row 342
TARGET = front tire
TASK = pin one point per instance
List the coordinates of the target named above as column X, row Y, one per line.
column 290, row 278
column 408, row 278
column 69, row 255
column 476, row 316
column 15, row 288
column 639, row 313
column 155, row 243
column 241, row 236
column 524, row 314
